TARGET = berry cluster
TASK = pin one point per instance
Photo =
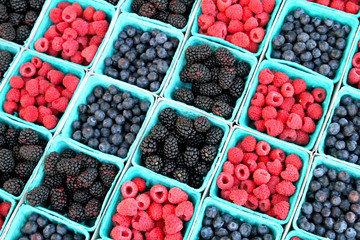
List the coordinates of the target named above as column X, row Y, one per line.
column 174, row 12
column 342, row 140
column 241, row 23
column 217, row 80
column 156, row 214
column 349, row 6
column 332, row 205
column 17, row 18
column 141, row 58
column 39, row 227
column 75, row 184
column 5, row 59
column 41, row 94
column 354, row 74
column 4, row 210
column 315, row 43
column 285, row 108
column 256, row 177
column 217, row 225
column 20, row 152
column 110, row 120
column 181, row 148
column 76, row 34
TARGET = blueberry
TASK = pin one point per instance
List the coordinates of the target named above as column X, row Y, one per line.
column 316, row 52
column 303, row 37
column 340, row 33
column 130, row 138
column 340, row 226
column 340, row 145
column 342, row 154
column 76, row 125
column 154, row 86
column 206, row 232
column 298, row 12
column 122, row 152
column 150, row 54
column 306, row 57
column 42, row 221
column 92, row 121
column 286, row 27
column 77, row 136
column 308, row 28
column 324, row 69
column 123, row 63
column 105, row 132
column 235, row 235
column 307, row 208
column 87, row 132
column 263, row 229
column 130, row 56
column 245, row 229
column 325, row 58
column 56, row 236
column 30, row 227
column 335, row 54
column 93, row 143
column 49, row 230
column 104, row 147
column 124, row 48
column 107, row 123
column 218, row 222
column 305, row 19
column 112, row 73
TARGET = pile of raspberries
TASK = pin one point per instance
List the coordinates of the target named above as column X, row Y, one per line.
column 217, row 79
column 181, row 148
column 174, row 12
column 240, row 22
column 285, row 108
column 260, row 178
column 76, row 34
column 156, row 214
column 75, row 184
column 4, row 210
column 349, row 6
column 20, row 152
column 41, row 94
column 354, row 74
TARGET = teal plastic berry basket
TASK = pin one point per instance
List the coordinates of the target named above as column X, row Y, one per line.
column 315, row 10
column 97, row 5
column 195, row 32
column 59, row 144
column 311, row 81
column 13, row 49
column 349, row 65
column 43, row 135
column 127, row 19
column 24, row 213
column 331, row 164
column 276, row 229
column 175, row 83
column 300, row 234
column 237, row 136
column 105, row 82
column 5, row 197
column 327, row 7
column 65, row 68
column 151, row 180
column 137, row 159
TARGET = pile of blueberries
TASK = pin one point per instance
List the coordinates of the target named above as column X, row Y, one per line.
column 39, row 227
column 332, row 206
column 141, row 58
column 110, row 120
column 342, row 140
column 217, row 225
column 312, row 42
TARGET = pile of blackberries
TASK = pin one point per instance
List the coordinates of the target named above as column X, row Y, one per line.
column 110, row 120
column 20, row 152
column 181, row 148
column 342, row 140
column 217, row 79
column 141, row 58
column 315, row 43
column 217, row 225
column 75, row 184
column 332, row 206
column 39, row 227
column 5, row 59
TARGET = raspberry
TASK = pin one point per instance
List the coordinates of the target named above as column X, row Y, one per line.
column 274, row 167
column 209, row 7
column 44, row 111
column 268, row 5
column 80, row 26
column 276, row 198
column 222, row 5
column 140, row 183
column 339, row 5
column 40, row 100
column 262, row 192
column 100, row 27
column 78, row 9
column 89, row 53
column 281, row 210
column 129, row 189
column 240, row 39
column 263, row 159
column 176, row 195
column 27, row 70
column 260, row 125
column 258, row 100
column 352, row 7
column 305, row 99
column 70, row 34
column 263, row 18
column 273, row 88
column 185, row 210
column 261, row 176
column 10, row 107
column 63, row 5
column 266, row 76
column 315, row 111
column 252, row 202
column 143, row 201
column 244, row 3
column 57, row 43
column 77, row 58
column 4, row 208
column 173, row 224
column 16, row 82
column 69, row 14
column 228, row 167
column 264, row 205
column 280, row 78
column 254, row 113
column 137, row 235
column 308, row 125
column 274, row 127
column 262, row 148
column 235, row 155
column 55, row 77
column 71, row 82
column 83, row 42
column 250, row 157
column 121, row 233
column 248, row 144
column 285, row 188
column 274, row 180
column 221, row 16
column 88, row 13
column 294, row 160
column 55, row 15
column 302, row 138
column 50, row 121
column 142, row 222
column 159, row 193
column 167, row 210
column 252, row 165
column 155, row 211
column 250, row 24
column 269, row 112
column 218, row 29
column 287, row 104
column 290, row 173
column 51, row 33
column 247, row 185
column 120, row 220
column 239, row 197
column 70, row 47
column 299, row 86
column 52, row 94
column 277, row 154
column 287, row 90
column 127, row 207
column 294, row 121
column 319, row 94
column 31, row 114
column 253, row 47
column 225, row 180
column 51, row 51
column 45, row 68
column 256, row 6
column 323, row 2
column 43, row 86
column 235, row 12
column 235, row 26
column 274, row 99
column 257, row 34
column 13, row 95
column 155, row 234
column 176, row 236
column 95, row 40
column 61, row 26
column 354, row 76
column 298, row 109
column 247, row 13
column 27, row 100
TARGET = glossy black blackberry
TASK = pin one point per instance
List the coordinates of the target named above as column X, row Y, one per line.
column 191, row 156
column 50, row 163
column 185, row 75
column 3, row 13
column 199, row 73
column 210, row 63
column 168, row 118
column 210, row 89
column 214, row 135
column 222, row 109
column 177, row 20
column 198, row 53
column 36, row 4
column 181, row 175
column 226, row 77
column 92, row 209
column 31, row 152
column 73, row 166
column 60, row 166
column 201, row 168
column 68, row 153
column 14, row 186
column 178, row 7
column 237, row 88
column 203, row 102
column 195, row 180
column 12, row 136
column 22, row 33
column 30, row 18
column 58, row 199
column 154, row 163
column 147, row 10
column 202, row 124
column 87, row 178
column 107, row 174
column 185, row 127
column 5, row 60
column 208, row 153
column 225, row 97
column 159, row 132
column 71, row 184
column 24, row 169
column 76, row 212
column 54, row 181
column 4, row 177
column 161, row 16
column 98, row 190
column 198, row 140
column 81, row 196
column 16, row 19
column 136, row 5
column 37, row 196
column 184, row 95
column 18, row 5
column 160, row 4
column 242, row 69
column 148, row 145
column 168, row 168
column 224, row 57
column 7, row 162
column 28, row 137
column 171, row 147
column 87, row 161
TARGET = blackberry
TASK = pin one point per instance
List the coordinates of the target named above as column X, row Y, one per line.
column 176, row 20
column 37, row 196
column 24, row 169
column 185, row 127
column 242, row 69
column 226, row 77
column 58, row 199
column 222, row 109
column 76, row 213
column 197, row 141
column 214, row 135
column 3, row 13
column 31, row 152
column 159, row 132
column 98, row 190
column 224, row 57
column 168, row 118
column 195, row 180
column 5, row 60
column 203, row 102
column 107, row 173
column 87, row 161
column 171, row 147
column 225, row 97
column 199, row 73
column 18, row 5
column 160, row 4
column 4, row 177
column 211, row 64
column 7, row 162
column 195, row 87
column 184, row 95
column 30, row 18
column 154, row 163
column 28, row 137
column 16, row 19
column 73, row 166
column 68, row 153
column 181, row 175
column 87, row 178
column 36, row 4
column 177, row 7
column 208, row 153
column 202, row 124
column 12, row 136
column 60, row 166
column 169, row 167
column 3, row 129
column 210, row 89
column 16, row 153
column 54, row 181
column 2, row 138
column 161, row 16
column 14, row 186
column 198, row 53
column 147, row 10
column 188, row 3
column 185, row 75
column 148, row 145
column 50, row 163
column 92, row 209
column 191, row 156
column 136, row 5
column 237, row 88
column 22, row 33
column 82, row 196
column 71, row 183
column 202, row 169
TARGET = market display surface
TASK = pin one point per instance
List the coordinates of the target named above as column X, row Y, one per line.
column 179, row 119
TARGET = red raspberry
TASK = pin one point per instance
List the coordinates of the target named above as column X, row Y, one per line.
column 247, row 185
column 51, row 51
column 225, row 180
column 121, row 233
column 159, row 193
column 43, row 111
column 84, row 42
column 262, row 148
column 247, row 13
column 262, row 89
column 252, row 165
column 250, row 157
column 155, row 234
column 299, row 86
column 235, row 26
column 261, row 176
column 167, row 210
column 234, row 12
column 16, row 82
column 276, row 198
column 290, row 173
column 173, row 224
column 258, row 100
column 263, row 18
column 262, row 165
column 57, row 43
column 252, row 202
column 294, row 160
column 274, row 127
column 120, row 220
column 45, row 68
column 274, row 99
column 40, row 100
column 70, row 47
column 185, row 210
column 274, row 167
column 264, row 205
column 295, row 238
column 127, row 207
column 352, row 7
column 235, row 155
column 10, row 107
column 244, row 3
column 52, row 94
column 27, row 100
column 27, row 70
column 77, row 8
column 281, row 210
column 280, row 78
column 55, row 77
column 338, row 4
column 50, row 121
column 239, row 197
column 266, row 76
column 99, row 15
column 319, row 94
column 323, row 2
column 176, row 195
column 176, row 236
column 55, row 15
column 69, row 14
column 250, row 24
column 268, row 5
column 262, row 192
column 308, row 125
column 77, row 58
column 269, row 112
column 242, row 172
column 205, row 21
column 61, row 26
column 287, row 104
column 88, row 13
column 240, row 39
column 43, row 86
column 315, row 111
column 302, row 138
column 248, row 144
column 209, row 7
column 143, row 222
column 137, row 235
column 256, row 6
column 129, row 189
column 140, row 183
column 305, row 99
column 229, row 167
column 274, row 180
column 263, row 159
column 70, row 34
column 287, row 90
column 89, row 53
column 298, row 109
column 80, row 26
column 100, row 27
column 31, row 114
column 32, row 87
column 356, row 60
column 257, row 34
column 51, row 33
column 13, row 95
column 260, row 125
column 37, row 62
column 155, row 211
column 222, row 5
column 71, row 82
column 294, row 121
column 221, row 16
column 4, row 208
column 272, row 88
column 218, row 29
column 354, row 76
column 277, row 154
column 285, row 188
column 143, row 201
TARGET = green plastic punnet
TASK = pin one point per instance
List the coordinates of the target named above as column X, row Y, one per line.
column 5, row 197
column 300, row 234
